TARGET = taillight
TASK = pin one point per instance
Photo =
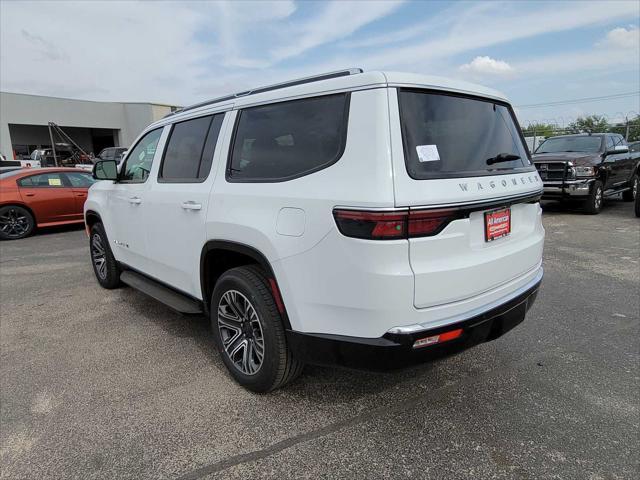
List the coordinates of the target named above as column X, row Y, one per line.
column 398, row 224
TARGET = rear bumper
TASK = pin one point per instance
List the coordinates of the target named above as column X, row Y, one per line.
column 395, row 348
column 567, row 189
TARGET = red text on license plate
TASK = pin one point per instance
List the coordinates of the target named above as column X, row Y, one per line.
column 497, row 224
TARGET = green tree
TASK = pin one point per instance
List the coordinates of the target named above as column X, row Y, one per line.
column 592, row 123
column 539, row 130
column 634, row 128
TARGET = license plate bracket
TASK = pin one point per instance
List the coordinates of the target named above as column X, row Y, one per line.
column 497, row 223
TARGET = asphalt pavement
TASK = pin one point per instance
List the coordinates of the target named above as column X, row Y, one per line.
column 111, row 384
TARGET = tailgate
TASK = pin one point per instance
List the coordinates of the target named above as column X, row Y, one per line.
column 459, row 263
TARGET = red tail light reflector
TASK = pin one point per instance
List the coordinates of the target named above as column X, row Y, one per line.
column 394, row 225
column 434, row 339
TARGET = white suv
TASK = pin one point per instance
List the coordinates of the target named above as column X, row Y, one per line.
column 361, row 219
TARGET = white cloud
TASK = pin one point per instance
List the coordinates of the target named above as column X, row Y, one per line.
column 622, row 38
column 487, row 66
column 336, row 21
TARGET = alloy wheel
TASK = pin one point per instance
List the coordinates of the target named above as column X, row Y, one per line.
column 14, row 224
column 598, row 198
column 241, row 332
column 635, row 187
column 98, row 255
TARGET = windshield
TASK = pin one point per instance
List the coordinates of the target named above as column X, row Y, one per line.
column 454, row 136
column 570, row 144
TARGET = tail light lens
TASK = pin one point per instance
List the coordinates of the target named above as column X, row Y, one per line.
column 400, row 224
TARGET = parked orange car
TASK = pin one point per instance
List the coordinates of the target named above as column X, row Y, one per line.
column 42, row 197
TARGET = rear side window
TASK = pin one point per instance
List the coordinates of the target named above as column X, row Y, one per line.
column 287, row 140
column 448, row 136
column 48, row 180
column 190, row 148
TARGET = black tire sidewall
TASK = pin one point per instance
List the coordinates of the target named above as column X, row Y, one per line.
column 265, row 379
column 112, row 279
column 26, row 213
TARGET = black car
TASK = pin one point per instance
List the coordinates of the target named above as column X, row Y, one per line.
column 587, row 167
column 111, row 153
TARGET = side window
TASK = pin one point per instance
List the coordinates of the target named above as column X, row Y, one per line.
column 286, row 140
column 190, row 148
column 617, row 140
column 609, row 142
column 107, row 154
column 80, row 180
column 139, row 160
column 48, row 180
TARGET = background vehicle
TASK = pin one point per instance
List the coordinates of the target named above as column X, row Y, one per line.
column 41, row 198
column 111, row 153
column 338, row 219
column 587, row 167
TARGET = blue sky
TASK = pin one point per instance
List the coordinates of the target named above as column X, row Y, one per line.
column 170, row 52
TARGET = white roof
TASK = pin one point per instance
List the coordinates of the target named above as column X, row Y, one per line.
column 358, row 81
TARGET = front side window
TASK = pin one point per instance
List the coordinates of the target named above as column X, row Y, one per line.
column 190, row 148
column 571, row 144
column 47, row 180
column 286, row 140
column 80, row 180
column 139, row 160
column 449, row 136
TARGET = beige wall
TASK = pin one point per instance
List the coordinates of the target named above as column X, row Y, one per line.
column 128, row 118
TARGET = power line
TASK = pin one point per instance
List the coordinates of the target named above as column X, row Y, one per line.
column 581, row 100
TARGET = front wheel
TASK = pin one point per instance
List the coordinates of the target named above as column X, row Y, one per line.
column 631, row 194
column 104, row 263
column 248, row 331
column 15, row 222
column 593, row 203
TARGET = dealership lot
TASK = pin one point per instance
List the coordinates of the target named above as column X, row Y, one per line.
column 110, row 384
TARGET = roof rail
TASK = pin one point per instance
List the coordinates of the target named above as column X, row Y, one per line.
column 268, row 88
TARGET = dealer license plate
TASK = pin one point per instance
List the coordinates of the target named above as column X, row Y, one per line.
column 497, row 224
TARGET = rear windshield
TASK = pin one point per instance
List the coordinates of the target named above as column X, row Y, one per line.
column 447, row 136
column 570, row 144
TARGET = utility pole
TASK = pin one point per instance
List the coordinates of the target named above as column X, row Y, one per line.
column 626, row 135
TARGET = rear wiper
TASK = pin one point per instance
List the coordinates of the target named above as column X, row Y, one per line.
column 502, row 157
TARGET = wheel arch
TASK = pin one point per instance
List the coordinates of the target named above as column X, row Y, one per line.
column 91, row 218
column 218, row 256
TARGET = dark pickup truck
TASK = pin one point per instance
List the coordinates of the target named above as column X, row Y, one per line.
column 587, row 167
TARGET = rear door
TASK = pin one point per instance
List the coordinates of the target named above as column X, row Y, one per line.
column 176, row 204
column 49, row 196
column 461, row 164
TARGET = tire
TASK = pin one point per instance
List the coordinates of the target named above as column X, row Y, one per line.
column 593, row 204
column 245, row 320
column 15, row 222
column 104, row 263
column 630, row 195
column 637, row 205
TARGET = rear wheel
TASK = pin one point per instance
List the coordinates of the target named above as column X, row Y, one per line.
column 15, row 222
column 631, row 194
column 593, row 203
column 104, row 263
column 248, row 330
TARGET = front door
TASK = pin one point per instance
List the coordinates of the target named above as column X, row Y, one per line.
column 178, row 200
column 128, row 203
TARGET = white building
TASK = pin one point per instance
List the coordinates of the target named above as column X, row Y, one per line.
column 92, row 125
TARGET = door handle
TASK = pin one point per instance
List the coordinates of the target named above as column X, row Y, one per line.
column 191, row 205
column 135, row 200
column 29, row 194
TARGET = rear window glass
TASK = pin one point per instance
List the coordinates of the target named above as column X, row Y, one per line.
column 190, row 149
column 447, row 136
column 287, row 140
column 571, row 144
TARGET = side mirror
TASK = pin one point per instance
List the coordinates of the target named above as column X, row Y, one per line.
column 618, row 149
column 105, row 170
